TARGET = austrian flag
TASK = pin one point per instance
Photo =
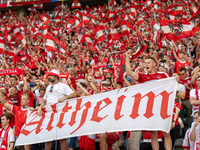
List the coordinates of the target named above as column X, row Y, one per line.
column 176, row 30
column 54, row 44
column 155, row 25
column 44, row 18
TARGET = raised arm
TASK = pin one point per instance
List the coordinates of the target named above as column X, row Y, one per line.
column 4, row 102
column 194, row 75
column 174, row 52
column 129, row 72
column 192, row 134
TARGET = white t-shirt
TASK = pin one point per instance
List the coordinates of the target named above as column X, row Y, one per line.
column 196, row 143
column 11, row 137
column 181, row 87
column 192, row 94
column 187, row 142
column 59, row 90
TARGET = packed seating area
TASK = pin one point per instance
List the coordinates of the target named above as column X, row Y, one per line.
column 96, row 50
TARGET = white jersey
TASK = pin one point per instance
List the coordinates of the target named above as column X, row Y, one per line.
column 192, row 94
column 11, row 137
column 59, row 90
column 187, row 143
column 196, row 143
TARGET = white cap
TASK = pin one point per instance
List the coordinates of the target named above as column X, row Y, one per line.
column 54, row 72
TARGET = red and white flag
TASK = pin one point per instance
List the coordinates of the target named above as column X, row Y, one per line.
column 140, row 20
column 38, row 6
column 155, row 25
column 133, row 10
column 157, row 6
column 44, row 18
column 176, row 30
column 54, row 45
column 76, row 4
column 123, row 29
column 99, row 36
column 112, row 3
column 32, row 9
column 139, row 51
column 4, row 49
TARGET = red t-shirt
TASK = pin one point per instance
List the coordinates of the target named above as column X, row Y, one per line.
column 20, row 118
column 179, row 64
column 186, row 81
column 178, row 106
column 147, row 77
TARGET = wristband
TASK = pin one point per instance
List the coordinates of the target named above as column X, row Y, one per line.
column 177, row 92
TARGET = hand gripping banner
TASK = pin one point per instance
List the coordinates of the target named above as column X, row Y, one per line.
column 145, row 106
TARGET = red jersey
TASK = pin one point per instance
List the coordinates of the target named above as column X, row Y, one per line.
column 186, row 81
column 178, row 106
column 148, row 77
column 179, row 64
column 20, row 118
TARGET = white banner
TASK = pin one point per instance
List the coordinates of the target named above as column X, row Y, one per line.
column 146, row 106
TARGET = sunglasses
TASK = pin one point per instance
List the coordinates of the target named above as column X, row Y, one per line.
column 181, row 74
column 51, row 89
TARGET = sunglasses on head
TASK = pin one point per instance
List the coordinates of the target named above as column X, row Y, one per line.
column 51, row 89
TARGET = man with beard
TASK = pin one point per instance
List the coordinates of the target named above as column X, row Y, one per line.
column 56, row 92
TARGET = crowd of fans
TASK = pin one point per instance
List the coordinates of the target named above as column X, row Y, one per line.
column 90, row 48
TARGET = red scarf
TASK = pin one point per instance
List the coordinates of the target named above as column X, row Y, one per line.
column 4, row 143
column 197, row 94
column 197, row 98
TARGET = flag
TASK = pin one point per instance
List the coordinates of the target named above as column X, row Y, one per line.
column 5, row 49
column 99, row 36
column 176, row 30
column 139, row 51
column 44, row 18
column 140, row 21
column 195, row 20
column 38, row 6
column 147, row 5
column 133, row 10
column 32, row 9
column 112, row 3
column 76, row 4
column 157, row 6
column 54, row 45
column 155, row 25
column 123, row 29
column 139, row 37
column 73, row 24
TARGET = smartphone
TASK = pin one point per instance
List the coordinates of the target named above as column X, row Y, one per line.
column 163, row 61
column 136, row 64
